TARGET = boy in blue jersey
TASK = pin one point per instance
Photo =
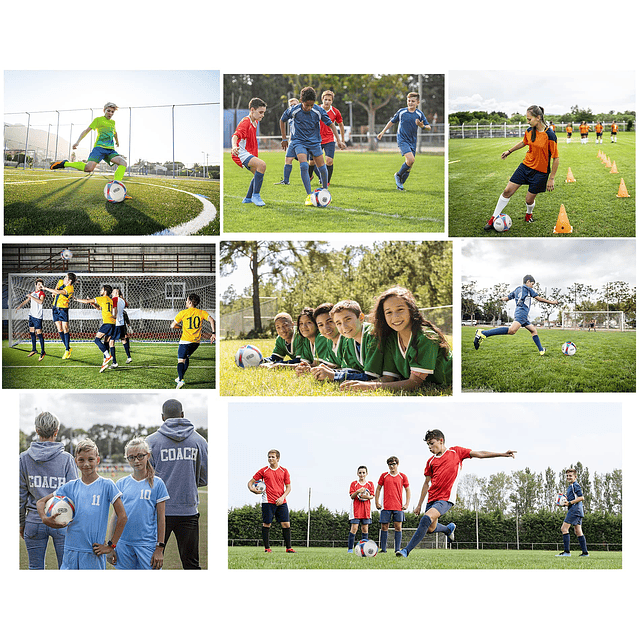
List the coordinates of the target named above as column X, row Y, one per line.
column 575, row 514
column 409, row 118
column 306, row 139
column 523, row 295
column 92, row 495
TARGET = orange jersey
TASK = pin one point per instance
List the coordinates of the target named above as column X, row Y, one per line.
column 584, row 128
column 569, row 129
column 614, row 128
column 541, row 150
column 599, row 128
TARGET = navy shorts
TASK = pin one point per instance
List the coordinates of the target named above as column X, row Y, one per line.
column 521, row 316
column 574, row 519
column 119, row 332
column 101, row 153
column 36, row 323
column 387, row 515
column 405, row 148
column 186, row 349
column 441, row 506
column 60, row 314
column 536, row 180
column 301, row 147
column 107, row 329
column 271, row 510
column 360, row 521
column 329, row 149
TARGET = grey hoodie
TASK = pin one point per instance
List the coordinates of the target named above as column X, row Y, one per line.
column 44, row 467
column 180, row 457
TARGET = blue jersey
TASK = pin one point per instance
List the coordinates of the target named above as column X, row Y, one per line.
column 305, row 125
column 140, row 502
column 92, row 502
column 407, row 127
column 575, row 491
column 523, row 296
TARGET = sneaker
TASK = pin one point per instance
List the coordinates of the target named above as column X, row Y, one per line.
column 246, row 201
column 564, row 554
column 67, row 354
column 128, row 197
column 128, row 360
column 399, row 185
column 489, row 225
column 33, row 353
column 584, row 554
column 180, row 384
column 114, row 365
column 402, row 553
column 479, row 337
column 268, row 550
column 542, row 351
column 105, row 363
column 450, row 536
column 282, row 182
column 349, row 550
column 382, row 551
column 308, row 202
column 257, row 200
column 42, row 355
column 290, row 550
column 58, row 165
column 529, row 217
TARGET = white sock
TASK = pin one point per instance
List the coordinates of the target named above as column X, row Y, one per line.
column 530, row 207
column 502, row 203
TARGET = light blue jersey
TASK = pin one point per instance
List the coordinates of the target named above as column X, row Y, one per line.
column 407, row 127
column 305, row 125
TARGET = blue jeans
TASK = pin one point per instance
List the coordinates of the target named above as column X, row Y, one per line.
column 36, row 538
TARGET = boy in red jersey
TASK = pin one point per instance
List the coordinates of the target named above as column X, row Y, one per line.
column 392, row 482
column 327, row 138
column 440, row 482
column 274, row 498
column 361, row 494
column 244, row 149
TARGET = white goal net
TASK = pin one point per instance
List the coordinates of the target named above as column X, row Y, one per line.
column 593, row 320
column 153, row 300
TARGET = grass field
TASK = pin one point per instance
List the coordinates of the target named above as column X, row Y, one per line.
column 153, row 367
column 338, row 558
column 171, row 557
column 477, row 177
column 284, row 381
column 68, row 202
column 605, row 362
column 364, row 197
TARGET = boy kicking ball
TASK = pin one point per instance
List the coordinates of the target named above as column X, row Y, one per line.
column 440, row 481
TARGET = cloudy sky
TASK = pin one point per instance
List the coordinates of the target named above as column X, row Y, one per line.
column 322, row 449
column 556, row 91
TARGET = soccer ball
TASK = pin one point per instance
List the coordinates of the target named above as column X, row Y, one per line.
column 366, row 549
column 561, row 500
column 365, row 495
column 115, row 191
column 321, row 197
column 569, row 349
column 62, row 506
column 260, row 486
column 502, row 222
column 248, row 356
column 66, row 254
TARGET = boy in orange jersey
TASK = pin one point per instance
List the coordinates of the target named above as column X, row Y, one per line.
column 599, row 130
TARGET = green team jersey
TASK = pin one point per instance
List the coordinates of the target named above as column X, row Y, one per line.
column 105, row 130
column 305, row 350
column 282, row 349
column 327, row 352
column 364, row 357
column 422, row 356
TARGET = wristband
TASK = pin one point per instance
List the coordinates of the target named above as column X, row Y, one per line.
column 110, row 544
column 160, row 544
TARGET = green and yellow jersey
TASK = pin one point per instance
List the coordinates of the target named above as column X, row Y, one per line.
column 105, row 131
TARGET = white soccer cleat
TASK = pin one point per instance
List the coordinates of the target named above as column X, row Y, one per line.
column 180, row 384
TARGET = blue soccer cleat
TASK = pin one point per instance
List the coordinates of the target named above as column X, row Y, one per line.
column 451, row 536
column 402, row 553
column 399, row 184
column 257, row 200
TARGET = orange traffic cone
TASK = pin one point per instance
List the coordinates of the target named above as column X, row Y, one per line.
column 570, row 177
column 607, row 162
column 622, row 191
column 614, row 169
column 562, row 225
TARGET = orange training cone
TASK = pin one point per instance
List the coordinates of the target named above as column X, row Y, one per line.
column 562, row 225
column 622, row 191
column 614, row 169
column 607, row 162
column 570, row 177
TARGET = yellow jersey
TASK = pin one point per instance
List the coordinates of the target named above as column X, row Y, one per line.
column 61, row 300
column 106, row 305
column 192, row 320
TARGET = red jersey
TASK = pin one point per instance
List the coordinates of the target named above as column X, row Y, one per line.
column 247, row 139
column 392, row 490
column 275, row 479
column 541, row 150
column 444, row 471
column 325, row 130
column 360, row 508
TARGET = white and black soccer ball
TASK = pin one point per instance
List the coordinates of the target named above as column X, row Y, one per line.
column 364, row 496
column 366, row 549
column 66, row 254
column 569, row 348
column 321, row 197
column 502, row 222
column 115, row 191
column 61, row 507
column 248, row 356
column 260, row 486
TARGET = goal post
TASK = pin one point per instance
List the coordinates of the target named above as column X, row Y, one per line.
column 153, row 300
column 596, row 320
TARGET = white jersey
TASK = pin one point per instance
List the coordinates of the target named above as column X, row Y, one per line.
column 119, row 304
column 36, row 309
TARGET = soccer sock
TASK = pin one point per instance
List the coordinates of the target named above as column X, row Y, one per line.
column 536, row 339
column 329, row 173
column 186, row 364
column 498, row 331
column 365, row 536
column 441, row 528
column 127, row 350
column 41, row 339
column 64, row 342
column 67, row 340
column 566, row 542
column 250, row 191
column 324, row 176
column 112, row 351
column 75, row 165
column 286, row 534
column 101, row 346
column 180, row 370
column 257, row 182
column 405, row 176
column 421, row 532
column 312, row 169
column 119, row 174
column 583, row 544
column 383, row 540
column 265, row 537
column 530, row 207
column 403, row 169
column 351, row 541
column 397, row 541
column 33, row 341
column 502, row 203
column 304, row 173
column 287, row 172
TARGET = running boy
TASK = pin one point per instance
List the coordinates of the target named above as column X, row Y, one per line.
column 440, row 482
column 191, row 320
column 523, row 295
column 244, row 150
column 392, row 483
column 575, row 514
column 104, row 149
column 361, row 494
column 62, row 295
column 274, row 498
column 92, row 495
column 104, row 303
column 409, row 118
column 36, row 298
column 327, row 136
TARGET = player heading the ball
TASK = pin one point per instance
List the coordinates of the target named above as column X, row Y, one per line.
column 62, row 295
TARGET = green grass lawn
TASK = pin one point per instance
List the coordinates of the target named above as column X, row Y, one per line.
column 338, row 558
column 283, row 381
column 477, row 177
column 364, row 197
column 604, row 362
column 67, row 202
column 171, row 557
column 153, row 367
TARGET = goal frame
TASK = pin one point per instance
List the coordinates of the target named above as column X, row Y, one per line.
column 581, row 320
